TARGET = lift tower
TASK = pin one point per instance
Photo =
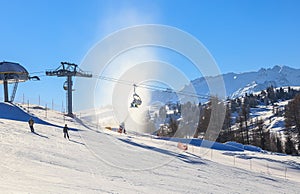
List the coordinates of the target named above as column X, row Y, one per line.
column 68, row 70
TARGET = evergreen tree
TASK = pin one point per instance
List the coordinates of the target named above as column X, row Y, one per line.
column 271, row 94
column 273, row 142
column 173, row 126
column 233, row 105
column 292, row 116
column 253, row 101
column 239, row 121
column 268, row 141
column 289, row 146
column 227, row 121
column 211, row 117
column 279, row 145
column 204, row 118
column 260, row 126
column 245, row 115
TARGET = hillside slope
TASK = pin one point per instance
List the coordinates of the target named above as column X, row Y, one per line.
column 103, row 161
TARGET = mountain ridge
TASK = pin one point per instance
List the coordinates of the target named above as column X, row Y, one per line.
column 237, row 84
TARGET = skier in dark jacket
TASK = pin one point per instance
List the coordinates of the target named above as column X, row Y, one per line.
column 31, row 122
column 66, row 131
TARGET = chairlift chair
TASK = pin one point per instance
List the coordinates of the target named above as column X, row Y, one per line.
column 137, row 101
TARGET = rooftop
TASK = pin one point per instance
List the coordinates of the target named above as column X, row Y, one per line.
column 12, row 72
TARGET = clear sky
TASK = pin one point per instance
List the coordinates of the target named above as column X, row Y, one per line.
column 242, row 35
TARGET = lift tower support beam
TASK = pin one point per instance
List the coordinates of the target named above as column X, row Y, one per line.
column 69, row 70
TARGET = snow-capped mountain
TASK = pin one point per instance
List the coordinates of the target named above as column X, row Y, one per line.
column 237, row 84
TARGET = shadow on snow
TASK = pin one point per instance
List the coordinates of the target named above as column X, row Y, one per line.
column 40, row 135
column 12, row 112
column 189, row 158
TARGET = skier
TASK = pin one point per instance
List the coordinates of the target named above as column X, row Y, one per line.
column 122, row 128
column 31, row 122
column 65, row 130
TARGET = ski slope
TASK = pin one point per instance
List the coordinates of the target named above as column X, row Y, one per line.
column 97, row 160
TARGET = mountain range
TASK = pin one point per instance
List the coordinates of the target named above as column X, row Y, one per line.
column 238, row 84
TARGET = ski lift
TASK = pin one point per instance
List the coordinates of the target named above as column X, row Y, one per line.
column 137, row 101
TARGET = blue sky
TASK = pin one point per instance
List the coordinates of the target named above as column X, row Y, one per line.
column 242, row 35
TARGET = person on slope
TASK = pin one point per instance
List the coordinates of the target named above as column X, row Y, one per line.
column 122, row 128
column 31, row 122
column 65, row 130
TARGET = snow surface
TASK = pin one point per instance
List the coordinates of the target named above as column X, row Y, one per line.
column 97, row 160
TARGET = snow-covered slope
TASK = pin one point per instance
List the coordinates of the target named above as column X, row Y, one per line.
column 103, row 161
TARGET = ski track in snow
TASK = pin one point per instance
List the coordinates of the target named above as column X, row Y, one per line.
column 103, row 161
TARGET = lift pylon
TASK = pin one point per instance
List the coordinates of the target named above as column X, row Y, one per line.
column 69, row 70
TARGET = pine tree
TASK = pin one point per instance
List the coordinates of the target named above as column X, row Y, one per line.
column 227, row 120
column 292, row 116
column 260, row 126
column 273, row 143
column 173, row 126
column 239, row 121
column 267, row 140
column 245, row 115
column 279, row 145
column 226, row 133
column 204, row 118
column 271, row 94
column 289, row 146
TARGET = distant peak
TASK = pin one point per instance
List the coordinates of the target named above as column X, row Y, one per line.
column 262, row 70
column 276, row 68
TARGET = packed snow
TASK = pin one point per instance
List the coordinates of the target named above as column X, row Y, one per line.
column 98, row 160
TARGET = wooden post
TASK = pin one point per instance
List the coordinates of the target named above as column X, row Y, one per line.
column 46, row 110
column 285, row 172
column 52, row 104
column 267, row 168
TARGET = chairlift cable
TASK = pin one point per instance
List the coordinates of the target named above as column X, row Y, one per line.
column 151, row 87
column 37, row 72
